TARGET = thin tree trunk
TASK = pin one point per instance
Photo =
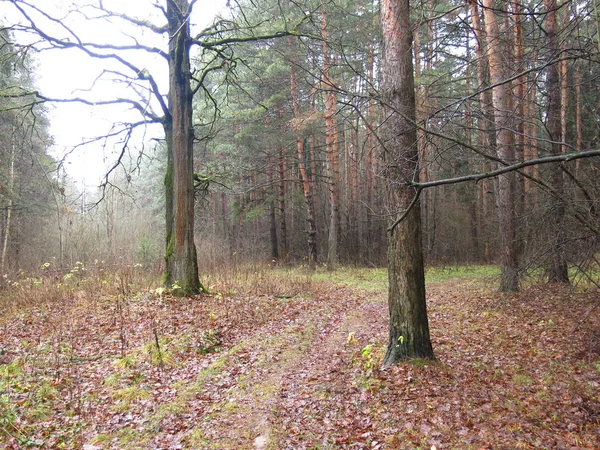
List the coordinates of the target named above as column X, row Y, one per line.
column 530, row 151
column 474, row 218
column 282, row 194
column 10, row 206
column 306, row 184
column 564, row 87
column 485, row 130
column 558, row 270
column 370, row 160
column 578, row 124
column 519, row 108
column 272, row 213
column 331, row 148
column 509, row 280
column 408, row 327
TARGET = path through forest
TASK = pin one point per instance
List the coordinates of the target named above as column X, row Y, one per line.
column 301, row 369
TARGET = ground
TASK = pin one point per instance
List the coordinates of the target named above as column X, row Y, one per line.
column 292, row 360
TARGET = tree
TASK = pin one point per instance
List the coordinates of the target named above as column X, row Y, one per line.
column 509, row 280
column 558, row 270
column 27, row 190
column 409, row 327
column 180, row 257
column 173, row 110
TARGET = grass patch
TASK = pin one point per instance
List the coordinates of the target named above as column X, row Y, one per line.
column 438, row 274
column 522, row 379
column 376, row 279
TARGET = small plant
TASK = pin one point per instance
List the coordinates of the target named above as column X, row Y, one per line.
column 131, row 393
column 208, row 342
column 125, row 362
column 45, row 392
column 351, row 339
column 367, row 359
column 112, row 380
column 520, row 378
column 158, row 352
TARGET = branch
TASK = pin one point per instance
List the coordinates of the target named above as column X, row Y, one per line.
column 494, row 173
column 508, row 168
column 92, row 50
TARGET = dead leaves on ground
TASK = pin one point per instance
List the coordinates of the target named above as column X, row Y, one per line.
column 512, row 371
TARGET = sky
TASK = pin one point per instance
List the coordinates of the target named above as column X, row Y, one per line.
column 70, row 73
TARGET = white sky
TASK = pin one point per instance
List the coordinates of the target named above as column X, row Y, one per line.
column 69, row 73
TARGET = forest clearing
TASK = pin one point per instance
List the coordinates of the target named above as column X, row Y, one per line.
column 198, row 201
column 290, row 359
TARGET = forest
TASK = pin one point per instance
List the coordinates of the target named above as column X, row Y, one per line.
column 320, row 224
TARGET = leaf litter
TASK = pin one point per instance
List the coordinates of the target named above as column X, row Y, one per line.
column 270, row 372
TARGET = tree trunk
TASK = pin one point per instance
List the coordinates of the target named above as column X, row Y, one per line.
column 558, row 270
column 485, row 135
column 10, row 206
column 509, row 279
column 519, row 110
column 306, row 184
column 272, row 214
column 282, row 194
column 331, row 149
column 181, row 261
column 530, row 150
column 370, row 163
column 578, row 123
column 409, row 327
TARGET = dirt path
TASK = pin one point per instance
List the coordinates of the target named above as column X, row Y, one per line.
column 261, row 370
column 317, row 382
column 268, row 372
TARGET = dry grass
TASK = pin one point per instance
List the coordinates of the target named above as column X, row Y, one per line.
column 293, row 358
column 49, row 287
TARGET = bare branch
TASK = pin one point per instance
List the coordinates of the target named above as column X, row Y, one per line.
column 494, row 173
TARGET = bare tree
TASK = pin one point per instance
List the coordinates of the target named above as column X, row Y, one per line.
column 172, row 110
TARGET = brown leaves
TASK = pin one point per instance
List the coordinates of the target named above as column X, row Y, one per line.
column 513, row 371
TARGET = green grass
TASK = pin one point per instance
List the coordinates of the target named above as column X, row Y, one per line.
column 376, row 279
column 438, row 274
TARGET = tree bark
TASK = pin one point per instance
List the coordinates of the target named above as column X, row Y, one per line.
column 181, row 260
column 331, row 149
column 485, row 134
column 282, row 194
column 558, row 270
column 509, row 279
column 272, row 214
column 304, row 180
column 11, row 204
column 578, row 123
column 408, row 327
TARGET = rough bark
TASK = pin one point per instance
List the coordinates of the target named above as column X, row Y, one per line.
column 558, row 270
column 519, row 110
column 272, row 214
column 530, row 150
column 331, row 148
column 485, row 130
column 180, row 257
column 370, row 162
column 408, row 327
column 281, row 203
column 509, row 278
column 304, row 180
column 578, row 122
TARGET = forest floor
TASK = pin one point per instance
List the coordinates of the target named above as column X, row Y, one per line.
column 294, row 362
